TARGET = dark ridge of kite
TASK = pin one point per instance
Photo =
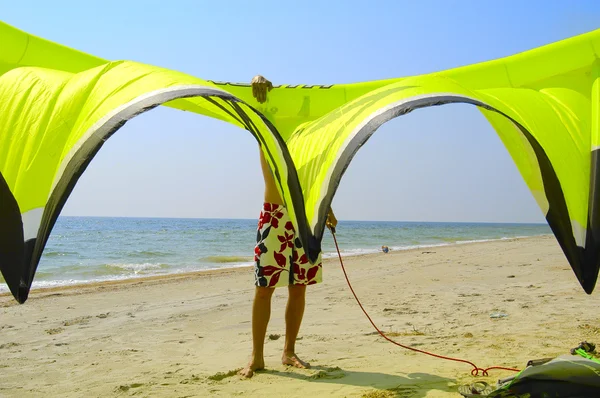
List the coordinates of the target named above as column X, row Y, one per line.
column 592, row 238
column 32, row 251
column 583, row 261
column 313, row 247
column 558, row 216
column 306, row 237
column 12, row 246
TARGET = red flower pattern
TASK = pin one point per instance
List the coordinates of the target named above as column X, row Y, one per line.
column 312, row 273
column 257, row 253
column 271, row 214
column 280, row 258
column 290, row 227
column 270, row 275
column 299, row 273
column 287, row 240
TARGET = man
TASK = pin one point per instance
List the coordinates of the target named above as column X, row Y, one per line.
column 279, row 261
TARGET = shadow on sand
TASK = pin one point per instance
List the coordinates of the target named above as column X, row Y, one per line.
column 413, row 385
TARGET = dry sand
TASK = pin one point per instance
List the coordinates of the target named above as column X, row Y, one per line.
column 185, row 336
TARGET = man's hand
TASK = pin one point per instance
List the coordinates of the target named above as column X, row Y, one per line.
column 260, row 87
column 331, row 221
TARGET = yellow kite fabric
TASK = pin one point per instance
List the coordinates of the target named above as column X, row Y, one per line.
column 58, row 106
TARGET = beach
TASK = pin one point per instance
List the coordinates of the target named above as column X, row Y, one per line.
column 497, row 303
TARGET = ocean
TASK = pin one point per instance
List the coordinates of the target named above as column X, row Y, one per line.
column 93, row 249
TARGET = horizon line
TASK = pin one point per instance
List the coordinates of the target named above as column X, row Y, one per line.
column 340, row 220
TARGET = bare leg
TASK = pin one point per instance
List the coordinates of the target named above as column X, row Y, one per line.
column 293, row 318
column 261, row 312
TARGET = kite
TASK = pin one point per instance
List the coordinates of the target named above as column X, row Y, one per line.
column 59, row 105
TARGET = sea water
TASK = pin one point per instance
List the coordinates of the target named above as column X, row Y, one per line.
column 93, row 249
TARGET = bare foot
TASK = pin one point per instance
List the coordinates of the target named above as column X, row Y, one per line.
column 254, row 365
column 293, row 360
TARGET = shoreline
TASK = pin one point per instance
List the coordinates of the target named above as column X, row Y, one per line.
column 112, row 284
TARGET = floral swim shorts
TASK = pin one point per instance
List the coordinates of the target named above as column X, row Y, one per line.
column 279, row 258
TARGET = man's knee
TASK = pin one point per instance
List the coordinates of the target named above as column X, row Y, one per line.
column 264, row 293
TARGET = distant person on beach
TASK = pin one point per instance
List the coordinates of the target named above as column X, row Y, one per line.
column 279, row 261
column 385, row 249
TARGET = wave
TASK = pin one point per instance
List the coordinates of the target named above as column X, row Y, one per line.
column 59, row 253
column 148, row 253
column 136, row 268
column 80, row 273
column 150, row 268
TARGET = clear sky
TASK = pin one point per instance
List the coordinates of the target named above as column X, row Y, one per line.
column 437, row 164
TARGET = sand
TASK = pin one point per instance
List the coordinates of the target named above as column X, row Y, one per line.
column 187, row 335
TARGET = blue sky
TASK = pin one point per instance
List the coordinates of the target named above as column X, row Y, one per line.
column 437, row 164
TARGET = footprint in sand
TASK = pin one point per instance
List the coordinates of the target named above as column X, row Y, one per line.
column 220, row 375
column 405, row 391
column 328, row 373
column 398, row 392
column 127, row 387
column 190, row 380
column 179, row 316
column 82, row 320
column 8, row 345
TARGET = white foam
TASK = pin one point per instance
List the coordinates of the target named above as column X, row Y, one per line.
column 136, row 268
column 69, row 282
column 358, row 252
